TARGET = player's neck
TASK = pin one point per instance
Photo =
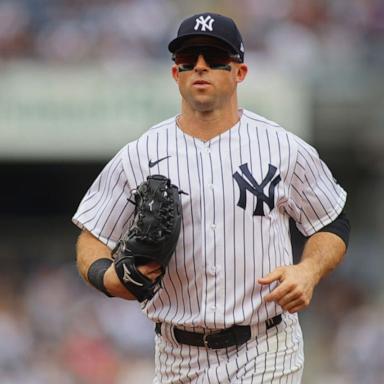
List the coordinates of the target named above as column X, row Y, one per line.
column 207, row 124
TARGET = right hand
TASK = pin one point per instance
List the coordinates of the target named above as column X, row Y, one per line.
column 151, row 270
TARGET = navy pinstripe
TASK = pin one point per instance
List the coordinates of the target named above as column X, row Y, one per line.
column 211, row 281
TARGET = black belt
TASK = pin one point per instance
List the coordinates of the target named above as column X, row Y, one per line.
column 236, row 335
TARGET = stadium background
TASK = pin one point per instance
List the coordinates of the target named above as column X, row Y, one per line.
column 78, row 79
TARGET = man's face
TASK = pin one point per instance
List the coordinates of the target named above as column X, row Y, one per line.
column 209, row 78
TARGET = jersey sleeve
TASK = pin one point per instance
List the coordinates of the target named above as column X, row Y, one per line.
column 105, row 210
column 315, row 198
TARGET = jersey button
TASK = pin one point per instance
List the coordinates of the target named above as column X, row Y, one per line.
column 212, row 270
column 213, row 227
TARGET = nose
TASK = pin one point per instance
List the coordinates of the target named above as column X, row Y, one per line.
column 201, row 64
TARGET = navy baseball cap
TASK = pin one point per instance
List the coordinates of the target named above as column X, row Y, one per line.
column 209, row 24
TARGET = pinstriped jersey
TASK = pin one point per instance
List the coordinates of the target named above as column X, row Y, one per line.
column 241, row 187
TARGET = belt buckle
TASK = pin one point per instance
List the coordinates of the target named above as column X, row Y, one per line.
column 207, row 335
column 205, row 341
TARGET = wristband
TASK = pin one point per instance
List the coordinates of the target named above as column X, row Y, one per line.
column 96, row 274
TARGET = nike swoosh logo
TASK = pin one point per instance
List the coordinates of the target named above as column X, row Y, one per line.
column 127, row 277
column 153, row 163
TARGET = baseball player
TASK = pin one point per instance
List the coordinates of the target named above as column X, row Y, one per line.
column 225, row 310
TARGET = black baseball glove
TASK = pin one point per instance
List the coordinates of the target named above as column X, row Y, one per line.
column 151, row 238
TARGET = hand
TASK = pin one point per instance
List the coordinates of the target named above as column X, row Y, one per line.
column 295, row 289
column 114, row 286
column 151, row 270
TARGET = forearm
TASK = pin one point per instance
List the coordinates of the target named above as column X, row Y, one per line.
column 322, row 253
column 88, row 250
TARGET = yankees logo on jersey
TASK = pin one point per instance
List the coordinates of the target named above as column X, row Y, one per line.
column 242, row 186
column 257, row 189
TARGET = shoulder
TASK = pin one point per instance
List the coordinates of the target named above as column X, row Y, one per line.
column 287, row 141
column 163, row 125
column 151, row 134
column 135, row 153
column 270, row 128
column 259, row 120
column 263, row 124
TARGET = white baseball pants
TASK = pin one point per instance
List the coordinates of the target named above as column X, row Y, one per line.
column 275, row 356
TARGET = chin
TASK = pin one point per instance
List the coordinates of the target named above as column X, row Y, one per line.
column 204, row 108
column 203, row 105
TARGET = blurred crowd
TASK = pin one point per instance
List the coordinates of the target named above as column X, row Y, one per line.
column 299, row 30
column 55, row 329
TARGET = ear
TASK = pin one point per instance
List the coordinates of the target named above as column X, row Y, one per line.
column 241, row 73
column 175, row 72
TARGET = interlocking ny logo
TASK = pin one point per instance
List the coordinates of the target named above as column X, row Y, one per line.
column 204, row 23
column 251, row 185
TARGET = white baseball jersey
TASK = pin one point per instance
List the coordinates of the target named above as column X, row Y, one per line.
column 241, row 188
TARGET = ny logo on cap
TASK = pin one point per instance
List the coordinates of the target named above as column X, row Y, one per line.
column 204, row 23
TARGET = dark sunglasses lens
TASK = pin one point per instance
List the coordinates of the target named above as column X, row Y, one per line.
column 215, row 58
column 188, row 58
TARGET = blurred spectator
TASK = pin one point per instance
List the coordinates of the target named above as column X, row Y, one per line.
column 16, row 339
column 302, row 31
column 359, row 347
column 14, row 31
column 61, row 331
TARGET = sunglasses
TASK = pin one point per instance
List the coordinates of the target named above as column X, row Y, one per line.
column 216, row 58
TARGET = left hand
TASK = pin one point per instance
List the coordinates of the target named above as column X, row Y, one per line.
column 295, row 289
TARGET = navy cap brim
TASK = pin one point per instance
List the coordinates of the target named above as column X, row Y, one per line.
column 179, row 41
